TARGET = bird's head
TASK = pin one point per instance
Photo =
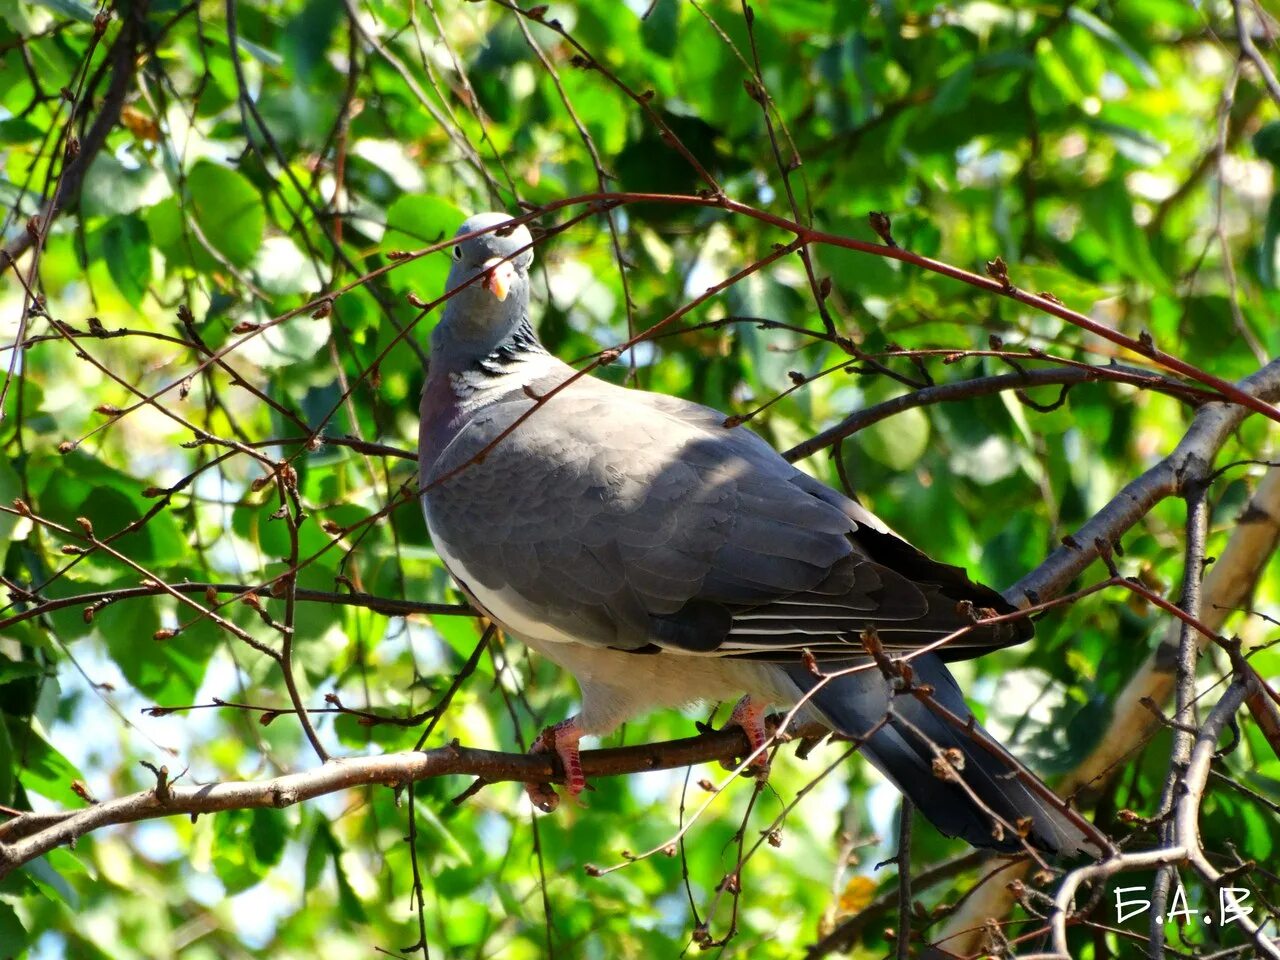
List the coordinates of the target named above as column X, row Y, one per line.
column 502, row 257
column 482, row 312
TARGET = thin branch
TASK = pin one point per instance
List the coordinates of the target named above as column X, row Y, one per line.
column 980, row 387
column 903, row 932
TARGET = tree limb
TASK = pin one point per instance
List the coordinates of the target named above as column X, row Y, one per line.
column 387, row 606
column 1226, row 588
column 122, row 70
column 32, row 835
column 1191, row 460
column 1186, row 846
column 981, row 387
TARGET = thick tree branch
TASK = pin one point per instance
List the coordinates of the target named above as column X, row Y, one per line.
column 1190, row 461
column 1186, row 847
column 122, row 68
column 1226, row 588
column 29, row 836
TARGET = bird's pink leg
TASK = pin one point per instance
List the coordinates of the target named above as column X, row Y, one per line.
column 749, row 714
column 563, row 738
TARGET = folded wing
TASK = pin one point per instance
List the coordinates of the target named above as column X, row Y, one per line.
column 635, row 520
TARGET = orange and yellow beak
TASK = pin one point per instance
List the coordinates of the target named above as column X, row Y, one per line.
column 498, row 277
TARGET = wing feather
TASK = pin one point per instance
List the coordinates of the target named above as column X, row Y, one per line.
column 640, row 520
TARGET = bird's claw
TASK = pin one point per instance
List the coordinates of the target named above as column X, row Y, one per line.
column 562, row 739
column 749, row 714
column 543, row 796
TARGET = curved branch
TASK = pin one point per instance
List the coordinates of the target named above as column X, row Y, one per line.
column 980, row 387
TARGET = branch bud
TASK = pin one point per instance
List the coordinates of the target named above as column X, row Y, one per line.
column 882, row 226
column 997, row 270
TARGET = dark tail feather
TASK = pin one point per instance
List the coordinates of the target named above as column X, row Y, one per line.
column 903, row 750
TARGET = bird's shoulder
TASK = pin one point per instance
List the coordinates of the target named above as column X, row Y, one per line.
column 602, row 426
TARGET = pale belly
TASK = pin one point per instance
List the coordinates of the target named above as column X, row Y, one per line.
column 616, row 685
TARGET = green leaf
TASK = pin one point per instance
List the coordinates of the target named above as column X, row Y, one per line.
column 167, row 671
column 260, row 53
column 11, row 670
column 1266, row 143
column 233, row 850
column 6, row 767
column 350, row 904
column 19, row 130
column 324, row 845
column 168, row 234
column 415, row 221
column 955, row 91
column 228, row 210
column 1268, row 269
column 14, row 938
column 1109, row 208
column 76, row 10
column 308, row 36
column 898, row 442
column 1258, row 841
column 126, row 246
column 317, row 853
column 1105, row 32
column 10, row 489
column 112, row 188
column 51, row 881
column 661, row 28
column 434, row 825
column 86, row 486
column 268, row 830
column 42, row 769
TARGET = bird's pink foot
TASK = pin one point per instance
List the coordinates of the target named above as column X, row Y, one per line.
column 749, row 714
column 562, row 738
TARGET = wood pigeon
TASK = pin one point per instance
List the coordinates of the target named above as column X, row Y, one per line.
column 666, row 559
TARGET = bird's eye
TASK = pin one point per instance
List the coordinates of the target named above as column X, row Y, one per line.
column 457, row 253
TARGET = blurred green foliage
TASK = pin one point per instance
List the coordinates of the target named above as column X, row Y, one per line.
column 1115, row 155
